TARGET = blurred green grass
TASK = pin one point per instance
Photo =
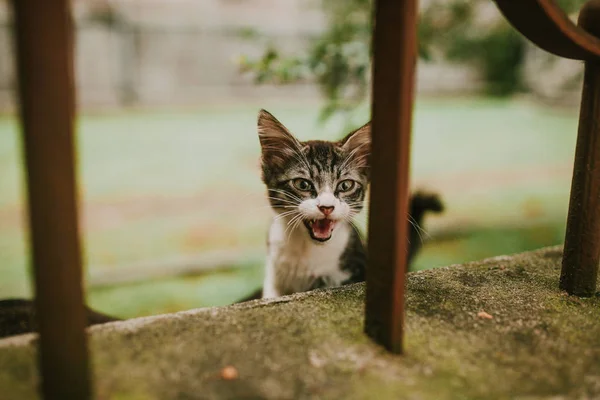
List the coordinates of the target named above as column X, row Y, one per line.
column 158, row 184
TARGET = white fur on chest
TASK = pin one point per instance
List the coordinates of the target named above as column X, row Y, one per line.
column 295, row 261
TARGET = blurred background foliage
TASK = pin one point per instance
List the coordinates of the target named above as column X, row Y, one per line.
column 339, row 59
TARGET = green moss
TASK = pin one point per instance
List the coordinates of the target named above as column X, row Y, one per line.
column 539, row 342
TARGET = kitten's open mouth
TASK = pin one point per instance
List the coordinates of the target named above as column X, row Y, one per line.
column 320, row 229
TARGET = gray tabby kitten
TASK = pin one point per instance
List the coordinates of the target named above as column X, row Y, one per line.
column 316, row 188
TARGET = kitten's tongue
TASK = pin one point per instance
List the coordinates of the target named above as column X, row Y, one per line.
column 322, row 228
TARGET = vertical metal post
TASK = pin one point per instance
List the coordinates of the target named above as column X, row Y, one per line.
column 582, row 243
column 46, row 88
column 394, row 58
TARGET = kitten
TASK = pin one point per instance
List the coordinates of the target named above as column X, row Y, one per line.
column 316, row 188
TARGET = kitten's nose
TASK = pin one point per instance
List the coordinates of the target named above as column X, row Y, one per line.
column 326, row 210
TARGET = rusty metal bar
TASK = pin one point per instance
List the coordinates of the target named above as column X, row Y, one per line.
column 582, row 243
column 546, row 24
column 394, row 59
column 45, row 66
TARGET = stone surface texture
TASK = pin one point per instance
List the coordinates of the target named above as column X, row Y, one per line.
column 494, row 329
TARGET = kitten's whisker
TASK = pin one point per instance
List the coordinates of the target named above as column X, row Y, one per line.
column 349, row 156
column 358, row 232
column 283, row 205
column 285, row 233
column 283, row 200
column 418, row 233
column 245, row 196
column 286, row 193
column 267, row 206
column 297, row 223
column 284, row 214
column 277, row 206
column 356, row 160
column 291, row 217
column 289, row 224
column 262, row 196
column 417, row 226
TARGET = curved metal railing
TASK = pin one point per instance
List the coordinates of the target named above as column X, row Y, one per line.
column 546, row 25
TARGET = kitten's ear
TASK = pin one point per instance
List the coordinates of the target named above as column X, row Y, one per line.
column 358, row 145
column 277, row 143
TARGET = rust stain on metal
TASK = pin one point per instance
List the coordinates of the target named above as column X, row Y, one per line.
column 46, row 88
column 395, row 52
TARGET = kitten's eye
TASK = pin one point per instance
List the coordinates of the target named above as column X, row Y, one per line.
column 345, row 186
column 302, row 184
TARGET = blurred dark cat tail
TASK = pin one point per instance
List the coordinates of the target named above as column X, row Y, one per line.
column 17, row 316
column 421, row 203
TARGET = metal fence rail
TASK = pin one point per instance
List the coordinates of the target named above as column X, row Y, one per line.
column 45, row 63
column 394, row 59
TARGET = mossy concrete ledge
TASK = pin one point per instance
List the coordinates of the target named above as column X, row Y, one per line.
column 538, row 343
